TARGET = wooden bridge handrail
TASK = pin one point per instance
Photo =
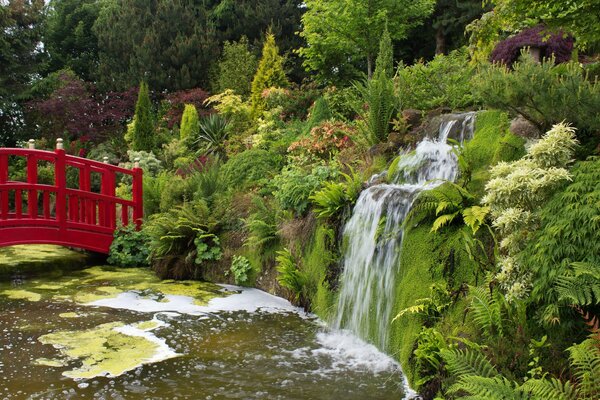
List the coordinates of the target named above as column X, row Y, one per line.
column 71, row 216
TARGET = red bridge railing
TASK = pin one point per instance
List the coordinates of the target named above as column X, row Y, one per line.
column 83, row 216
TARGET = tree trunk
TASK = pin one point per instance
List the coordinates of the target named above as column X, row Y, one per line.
column 440, row 41
column 369, row 66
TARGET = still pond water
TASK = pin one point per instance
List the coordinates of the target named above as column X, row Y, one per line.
column 106, row 333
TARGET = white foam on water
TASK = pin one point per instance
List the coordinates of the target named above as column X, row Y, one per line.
column 350, row 352
column 244, row 299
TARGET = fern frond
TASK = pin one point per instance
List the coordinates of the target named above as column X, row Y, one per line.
column 468, row 362
column 550, row 389
column 487, row 310
column 585, row 360
column 475, row 216
column 488, row 388
column 581, row 286
column 442, row 221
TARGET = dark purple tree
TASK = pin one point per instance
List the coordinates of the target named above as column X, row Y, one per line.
column 550, row 43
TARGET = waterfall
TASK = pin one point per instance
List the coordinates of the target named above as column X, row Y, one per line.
column 373, row 235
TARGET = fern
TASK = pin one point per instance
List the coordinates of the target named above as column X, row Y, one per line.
column 487, row 310
column 468, row 362
column 550, row 389
column 585, row 360
column 488, row 388
column 581, row 286
column 289, row 276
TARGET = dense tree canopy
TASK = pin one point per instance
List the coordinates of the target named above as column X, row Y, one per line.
column 343, row 35
column 69, row 39
column 20, row 59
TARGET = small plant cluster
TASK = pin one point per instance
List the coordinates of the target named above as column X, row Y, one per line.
column 130, row 248
column 553, row 45
column 240, row 268
column 325, row 140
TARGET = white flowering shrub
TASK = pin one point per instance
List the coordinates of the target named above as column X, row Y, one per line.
column 517, row 190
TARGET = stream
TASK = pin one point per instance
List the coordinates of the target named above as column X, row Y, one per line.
column 110, row 333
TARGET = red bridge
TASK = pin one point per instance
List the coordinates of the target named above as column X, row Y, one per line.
column 76, row 206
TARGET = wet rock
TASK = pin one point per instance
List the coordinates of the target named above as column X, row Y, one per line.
column 524, row 128
column 412, row 117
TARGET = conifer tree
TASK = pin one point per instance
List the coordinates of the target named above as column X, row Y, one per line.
column 143, row 127
column 385, row 59
column 270, row 73
column 236, row 68
column 189, row 123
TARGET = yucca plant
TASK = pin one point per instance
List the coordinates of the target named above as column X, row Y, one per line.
column 212, row 135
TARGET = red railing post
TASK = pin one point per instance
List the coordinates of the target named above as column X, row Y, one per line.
column 138, row 194
column 3, row 179
column 108, row 189
column 60, row 181
column 32, row 174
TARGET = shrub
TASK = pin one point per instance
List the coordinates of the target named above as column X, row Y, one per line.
column 129, row 248
column 442, row 82
column 236, row 68
column 143, row 122
column 544, row 94
column 182, row 240
column 189, row 123
column 325, row 140
column 270, row 73
column 251, row 168
column 319, row 112
column 516, row 190
column 342, row 102
column 569, row 230
column 335, row 197
column 212, row 135
column 295, row 185
column 558, row 46
column 176, row 102
column 240, row 268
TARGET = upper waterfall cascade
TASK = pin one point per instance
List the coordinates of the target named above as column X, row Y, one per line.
column 373, row 235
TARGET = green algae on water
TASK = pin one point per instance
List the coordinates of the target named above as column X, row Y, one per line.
column 106, row 350
column 16, row 294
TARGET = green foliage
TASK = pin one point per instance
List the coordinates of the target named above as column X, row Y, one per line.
column 429, row 308
column 447, row 203
column 342, row 36
column 381, row 104
column 325, row 141
column 154, row 187
column 143, row 122
column 251, row 168
column 569, row 234
column 212, row 135
column 189, row 123
column 581, row 285
column 236, row 68
column 442, row 82
column 578, row 17
column 335, row 197
column 428, row 361
column 182, row 239
column 270, row 73
column 519, row 188
column 544, row 94
column 262, row 226
column 289, row 276
column 342, row 102
column 240, row 268
column 129, row 248
column 319, row 112
column 295, row 185
column 384, row 64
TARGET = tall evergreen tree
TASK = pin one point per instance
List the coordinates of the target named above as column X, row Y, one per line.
column 143, row 128
column 385, row 58
column 69, row 38
column 20, row 60
column 236, row 68
column 270, row 73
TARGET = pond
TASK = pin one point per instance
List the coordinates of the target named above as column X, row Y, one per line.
column 110, row 333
